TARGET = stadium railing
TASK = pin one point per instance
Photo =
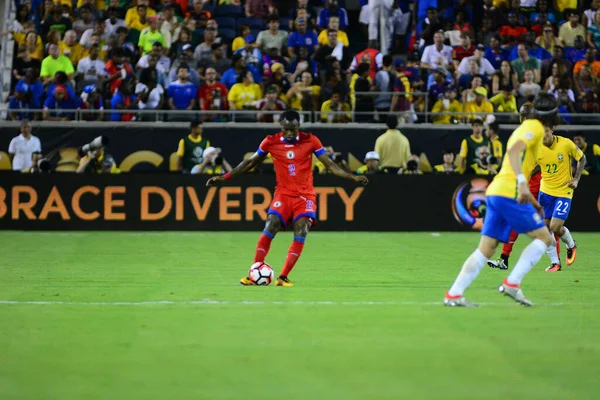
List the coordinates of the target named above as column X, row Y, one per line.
column 5, row 59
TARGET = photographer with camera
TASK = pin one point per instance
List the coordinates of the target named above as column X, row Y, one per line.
column 372, row 165
column 94, row 158
column 486, row 163
column 213, row 163
column 412, row 166
column 336, row 157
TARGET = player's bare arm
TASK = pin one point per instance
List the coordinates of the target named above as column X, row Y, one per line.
column 514, row 156
column 580, row 167
column 338, row 171
column 243, row 167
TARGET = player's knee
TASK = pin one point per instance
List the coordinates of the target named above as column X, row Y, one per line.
column 301, row 227
column 556, row 226
column 273, row 224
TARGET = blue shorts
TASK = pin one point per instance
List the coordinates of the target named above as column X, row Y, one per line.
column 555, row 207
column 504, row 214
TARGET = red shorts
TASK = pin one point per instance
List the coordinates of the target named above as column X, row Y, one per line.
column 290, row 209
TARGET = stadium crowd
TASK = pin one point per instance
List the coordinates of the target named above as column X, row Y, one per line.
column 467, row 56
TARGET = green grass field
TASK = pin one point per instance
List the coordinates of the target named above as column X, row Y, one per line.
column 364, row 321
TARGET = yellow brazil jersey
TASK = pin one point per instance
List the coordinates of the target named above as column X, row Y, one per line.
column 531, row 132
column 555, row 162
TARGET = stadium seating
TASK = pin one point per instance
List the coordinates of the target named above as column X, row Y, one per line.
column 253, row 23
column 226, row 22
column 229, row 11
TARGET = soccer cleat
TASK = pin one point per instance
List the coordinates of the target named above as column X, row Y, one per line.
column 571, row 254
column 554, row 268
column 499, row 263
column 283, row 281
column 515, row 293
column 246, row 281
column 458, row 301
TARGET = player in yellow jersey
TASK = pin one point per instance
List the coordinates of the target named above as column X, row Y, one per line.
column 510, row 206
column 556, row 191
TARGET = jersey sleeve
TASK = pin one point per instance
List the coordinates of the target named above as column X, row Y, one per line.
column 463, row 149
column 180, row 148
column 263, row 149
column 317, row 146
column 575, row 151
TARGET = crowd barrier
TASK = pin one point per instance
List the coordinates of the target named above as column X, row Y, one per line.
column 165, row 201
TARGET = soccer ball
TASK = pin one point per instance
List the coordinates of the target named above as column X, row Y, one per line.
column 261, row 273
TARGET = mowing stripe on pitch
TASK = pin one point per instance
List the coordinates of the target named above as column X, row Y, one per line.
column 208, row 302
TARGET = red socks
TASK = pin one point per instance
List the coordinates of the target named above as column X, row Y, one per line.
column 263, row 246
column 507, row 247
column 293, row 255
column 557, row 239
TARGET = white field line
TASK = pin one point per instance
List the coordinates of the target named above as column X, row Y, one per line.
column 208, row 302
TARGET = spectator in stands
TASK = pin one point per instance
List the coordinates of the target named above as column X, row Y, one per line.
column 303, row 95
column 161, row 76
column 132, row 16
column 185, row 57
column 576, row 53
column 369, row 56
column 123, row 99
column 259, row 8
column 525, row 61
column 199, row 14
column 302, row 37
column 513, row 30
column 238, row 65
column 212, row 95
column 113, row 21
column 32, row 85
column 90, row 99
column 465, row 79
column 466, row 49
column 204, row 49
column 150, row 93
column 447, row 166
column 563, row 88
column 469, row 146
column 23, row 63
column 334, row 23
column 557, row 57
column 98, row 29
column 401, row 100
column 272, row 37
column 34, row 46
column 486, row 32
column 23, row 15
column 505, row 76
column 251, row 54
column 331, row 9
column 372, row 161
column 53, row 37
column 591, row 151
column 335, row 111
column 71, row 48
column 569, row 30
column 430, row 26
column 167, row 21
column 436, row 91
column 589, row 15
column 437, row 55
column 333, row 50
column 240, row 41
column 469, row 94
column 56, row 104
column 117, row 69
column 151, row 36
column 585, row 82
column 270, row 58
column 485, row 67
column 392, row 146
column 485, row 163
column 91, row 68
column 495, row 14
column 123, row 43
column 335, row 83
column 505, row 101
column 163, row 62
column 85, row 22
column 184, row 38
column 547, row 40
column 21, row 100
column 55, row 21
column 528, row 88
column 182, row 95
column 593, row 31
column 304, row 10
column 96, row 40
column 384, row 82
column 533, row 49
column 270, row 102
column 302, row 63
column 22, row 148
column 363, row 103
column 446, row 110
column 542, row 7
column 55, row 63
column 480, row 105
column 279, row 79
column 590, row 60
column 244, row 95
column 217, row 60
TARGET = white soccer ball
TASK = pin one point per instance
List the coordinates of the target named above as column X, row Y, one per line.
column 261, row 273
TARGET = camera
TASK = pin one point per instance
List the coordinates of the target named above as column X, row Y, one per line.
column 412, row 165
column 98, row 143
column 489, row 160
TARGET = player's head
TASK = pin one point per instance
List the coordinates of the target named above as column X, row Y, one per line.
column 579, row 140
column 290, row 123
column 545, row 109
column 477, row 126
column 526, row 111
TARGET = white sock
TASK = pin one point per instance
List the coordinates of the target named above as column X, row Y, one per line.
column 567, row 239
column 468, row 273
column 551, row 251
column 530, row 256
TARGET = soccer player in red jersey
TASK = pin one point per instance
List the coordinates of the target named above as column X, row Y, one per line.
column 294, row 202
column 534, row 186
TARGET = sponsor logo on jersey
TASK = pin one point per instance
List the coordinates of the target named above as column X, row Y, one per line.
column 560, row 157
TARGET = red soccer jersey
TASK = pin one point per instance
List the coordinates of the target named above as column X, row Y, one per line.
column 534, row 183
column 293, row 162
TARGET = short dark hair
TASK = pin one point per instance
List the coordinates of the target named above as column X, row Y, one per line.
column 362, row 68
column 391, row 121
column 184, row 66
column 195, row 123
column 545, row 108
column 387, row 60
column 332, row 31
column 273, row 17
column 495, row 126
